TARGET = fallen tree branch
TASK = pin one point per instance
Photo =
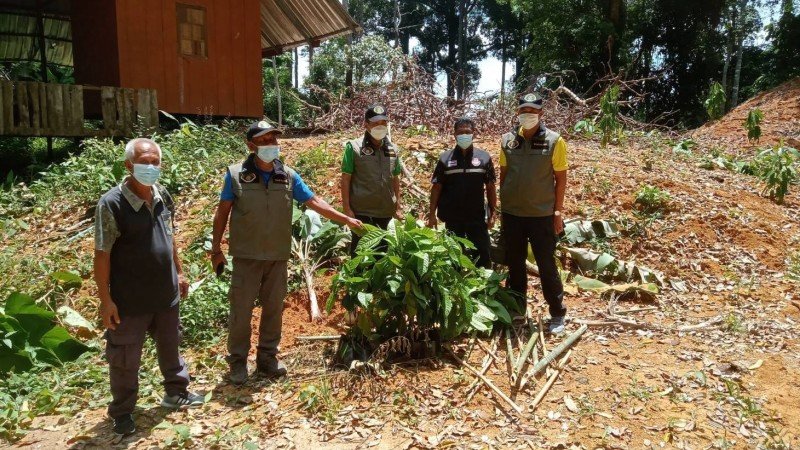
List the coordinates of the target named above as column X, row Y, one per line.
column 486, row 381
column 713, row 321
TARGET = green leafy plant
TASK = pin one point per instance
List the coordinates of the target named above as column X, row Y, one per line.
column 609, row 124
column 320, row 401
column 753, row 125
column 715, row 102
column 652, row 200
column 684, row 147
column 777, row 169
column 421, row 280
column 585, row 127
column 315, row 242
column 30, row 337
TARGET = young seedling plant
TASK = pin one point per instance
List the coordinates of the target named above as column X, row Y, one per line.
column 412, row 279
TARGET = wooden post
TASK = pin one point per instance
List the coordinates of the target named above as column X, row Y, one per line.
column 6, row 107
column 278, row 92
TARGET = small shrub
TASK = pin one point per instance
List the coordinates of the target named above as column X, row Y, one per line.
column 585, row 127
column 412, row 278
column 652, row 200
column 777, row 169
column 320, row 401
column 609, row 123
column 753, row 125
column 715, row 102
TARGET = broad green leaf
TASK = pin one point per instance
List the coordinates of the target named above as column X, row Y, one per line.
column 73, row 318
column 65, row 347
column 67, row 277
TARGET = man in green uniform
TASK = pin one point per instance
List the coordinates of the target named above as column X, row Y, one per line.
column 533, row 181
column 257, row 197
column 371, row 170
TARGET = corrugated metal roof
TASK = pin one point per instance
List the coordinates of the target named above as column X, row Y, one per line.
column 18, row 40
column 286, row 24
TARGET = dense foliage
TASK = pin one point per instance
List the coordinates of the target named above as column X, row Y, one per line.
column 412, row 278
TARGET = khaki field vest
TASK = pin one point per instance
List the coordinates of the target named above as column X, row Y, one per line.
column 261, row 218
column 371, row 192
column 529, row 186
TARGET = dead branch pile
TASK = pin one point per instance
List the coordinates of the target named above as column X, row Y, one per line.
column 411, row 99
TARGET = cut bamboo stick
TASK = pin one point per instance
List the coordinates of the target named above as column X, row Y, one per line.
column 487, row 362
column 550, row 381
column 510, row 356
column 486, row 381
column 523, row 357
column 544, row 362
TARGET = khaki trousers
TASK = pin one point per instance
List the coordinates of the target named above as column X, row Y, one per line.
column 251, row 279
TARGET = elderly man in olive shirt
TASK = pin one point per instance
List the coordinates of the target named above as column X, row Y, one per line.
column 139, row 283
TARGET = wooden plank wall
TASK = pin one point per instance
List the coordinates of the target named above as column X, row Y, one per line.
column 226, row 83
column 56, row 110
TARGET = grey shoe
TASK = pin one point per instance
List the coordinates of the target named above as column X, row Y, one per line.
column 271, row 369
column 183, row 401
column 238, row 374
column 556, row 325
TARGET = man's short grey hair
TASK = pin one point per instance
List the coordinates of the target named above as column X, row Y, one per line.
column 130, row 147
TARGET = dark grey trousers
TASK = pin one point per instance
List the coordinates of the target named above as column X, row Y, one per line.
column 124, row 354
column 267, row 281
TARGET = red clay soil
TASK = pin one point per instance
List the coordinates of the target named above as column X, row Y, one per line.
column 781, row 108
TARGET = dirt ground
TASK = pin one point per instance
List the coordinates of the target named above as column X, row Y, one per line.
column 731, row 383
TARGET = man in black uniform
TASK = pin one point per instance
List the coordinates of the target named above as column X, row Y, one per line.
column 457, row 194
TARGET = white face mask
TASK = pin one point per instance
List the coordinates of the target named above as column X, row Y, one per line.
column 528, row 120
column 379, row 132
column 269, row 153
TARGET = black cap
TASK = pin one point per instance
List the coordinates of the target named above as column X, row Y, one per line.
column 260, row 128
column 532, row 100
column 375, row 113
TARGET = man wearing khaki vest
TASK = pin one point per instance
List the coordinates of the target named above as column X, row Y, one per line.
column 257, row 197
column 371, row 170
column 533, row 180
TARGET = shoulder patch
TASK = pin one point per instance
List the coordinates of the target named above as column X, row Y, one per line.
column 248, row 177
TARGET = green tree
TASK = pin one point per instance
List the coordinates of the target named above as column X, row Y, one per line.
column 290, row 105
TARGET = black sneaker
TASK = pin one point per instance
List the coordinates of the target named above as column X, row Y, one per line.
column 183, row 401
column 238, row 374
column 272, row 369
column 124, row 425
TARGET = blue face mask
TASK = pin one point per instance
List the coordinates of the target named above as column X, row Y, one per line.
column 464, row 140
column 147, row 174
column 269, row 153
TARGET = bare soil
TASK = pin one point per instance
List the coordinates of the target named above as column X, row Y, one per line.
column 733, row 384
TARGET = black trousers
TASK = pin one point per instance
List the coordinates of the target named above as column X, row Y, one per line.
column 540, row 233
column 477, row 233
column 379, row 222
